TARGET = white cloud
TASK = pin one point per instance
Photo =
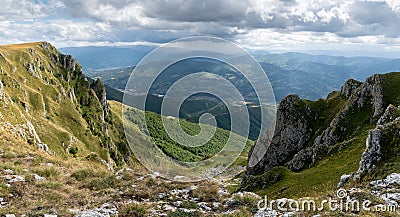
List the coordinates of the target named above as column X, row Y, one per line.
column 272, row 24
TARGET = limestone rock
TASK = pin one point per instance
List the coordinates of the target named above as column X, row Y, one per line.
column 343, row 179
column 100, row 91
column 350, row 87
column 292, row 131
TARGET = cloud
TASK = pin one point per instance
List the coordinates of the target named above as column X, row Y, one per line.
column 251, row 22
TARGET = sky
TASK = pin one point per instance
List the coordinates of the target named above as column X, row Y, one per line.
column 369, row 27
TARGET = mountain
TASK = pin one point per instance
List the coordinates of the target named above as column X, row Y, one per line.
column 353, row 131
column 315, row 76
column 46, row 96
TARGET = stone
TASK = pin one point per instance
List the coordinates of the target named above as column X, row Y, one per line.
column 38, row 178
column 392, row 179
column 204, row 206
column 222, row 192
column 391, row 114
column 90, row 214
column 343, row 179
column 266, row 212
column 153, row 175
column 14, row 178
column 177, row 203
column 169, row 208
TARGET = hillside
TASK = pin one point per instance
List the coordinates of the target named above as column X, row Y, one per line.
column 353, row 131
column 46, row 97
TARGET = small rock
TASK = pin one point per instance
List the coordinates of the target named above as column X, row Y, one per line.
column 14, row 178
column 193, row 187
column 169, row 208
column 266, row 212
column 140, row 178
column 162, row 195
column 343, row 179
column 49, row 215
column 216, row 204
column 177, row 203
column 90, row 213
column 38, row 178
column 153, row 175
column 391, row 198
column 187, row 210
column 222, row 192
column 204, row 206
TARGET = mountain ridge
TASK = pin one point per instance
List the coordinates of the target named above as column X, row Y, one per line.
column 309, row 133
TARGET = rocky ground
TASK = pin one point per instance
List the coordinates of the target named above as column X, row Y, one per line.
column 151, row 195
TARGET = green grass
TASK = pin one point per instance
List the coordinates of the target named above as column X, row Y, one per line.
column 178, row 151
column 391, row 84
column 317, row 180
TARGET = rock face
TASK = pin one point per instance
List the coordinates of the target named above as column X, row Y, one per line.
column 387, row 127
column 350, row 87
column 292, row 131
column 372, row 153
column 301, row 139
column 100, row 91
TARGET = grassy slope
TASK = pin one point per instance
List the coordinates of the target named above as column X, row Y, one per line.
column 45, row 101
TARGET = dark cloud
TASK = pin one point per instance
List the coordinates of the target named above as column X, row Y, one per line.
column 372, row 18
column 197, row 10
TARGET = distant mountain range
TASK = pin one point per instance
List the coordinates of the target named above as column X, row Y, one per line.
column 309, row 76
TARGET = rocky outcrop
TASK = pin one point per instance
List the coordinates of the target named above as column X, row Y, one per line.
column 372, row 153
column 350, row 87
column 31, row 68
column 292, row 131
column 296, row 121
column 388, row 124
column 369, row 95
column 100, row 91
